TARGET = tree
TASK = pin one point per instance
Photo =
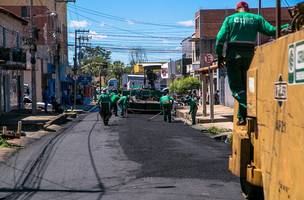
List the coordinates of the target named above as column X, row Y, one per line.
column 95, row 61
column 137, row 55
column 128, row 69
column 182, row 86
column 118, row 71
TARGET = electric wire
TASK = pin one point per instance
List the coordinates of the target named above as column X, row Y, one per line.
column 117, row 18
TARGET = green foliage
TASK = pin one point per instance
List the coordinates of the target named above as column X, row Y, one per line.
column 128, row 70
column 4, row 143
column 116, row 71
column 182, row 86
column 215, row 130
column 95, row 61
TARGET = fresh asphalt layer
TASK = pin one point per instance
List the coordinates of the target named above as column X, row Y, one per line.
column 132, row 159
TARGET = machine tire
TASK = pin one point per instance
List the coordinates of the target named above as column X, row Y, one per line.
column 252, row 192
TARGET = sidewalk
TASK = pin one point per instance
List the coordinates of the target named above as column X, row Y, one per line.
column 34, row 128
column 223, row 119
column 30, row 123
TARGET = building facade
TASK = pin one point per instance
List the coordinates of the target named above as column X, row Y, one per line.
column 50, row 21
column 12, row 60
column 187, row 56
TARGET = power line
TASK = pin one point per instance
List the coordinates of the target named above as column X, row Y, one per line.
column 94, row 20
column 117, row 18
column 286, row 3
column 150, row 37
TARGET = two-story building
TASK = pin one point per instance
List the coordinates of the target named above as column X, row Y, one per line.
column 50, row 21
column 12, row 60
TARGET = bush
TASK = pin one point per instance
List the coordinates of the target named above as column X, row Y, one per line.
column 215, row 130
column 182, row 86
column 4, row 143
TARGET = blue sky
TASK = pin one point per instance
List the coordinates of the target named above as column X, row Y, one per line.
column 157, row 26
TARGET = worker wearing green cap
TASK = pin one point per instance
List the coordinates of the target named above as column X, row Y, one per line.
column 104, row 102
column 114, row 99
column 193, row 109
column 123, row 105
column 166, row 102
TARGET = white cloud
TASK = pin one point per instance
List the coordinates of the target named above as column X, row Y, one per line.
column 96, row 36
column 102, row 24
column 188, row 23
column 79, row 24
column 130, row 22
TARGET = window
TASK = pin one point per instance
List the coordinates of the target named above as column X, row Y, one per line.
column 24, row 11
column 17, row 40
column 4, row 37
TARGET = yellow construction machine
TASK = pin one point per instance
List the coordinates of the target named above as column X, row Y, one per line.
column 268, row 153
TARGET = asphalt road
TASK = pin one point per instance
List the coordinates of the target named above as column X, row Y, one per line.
column 133, row 159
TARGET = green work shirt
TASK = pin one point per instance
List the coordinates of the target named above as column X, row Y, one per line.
column 114, row 99
column 123, row 101
column 242, row 27
column 103, row 99
column 166, row 100
column 193, row 105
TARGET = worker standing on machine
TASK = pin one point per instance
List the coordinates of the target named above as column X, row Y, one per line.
column 166, row 103
column 240, row 30
column 193, row 109
column 104, row 102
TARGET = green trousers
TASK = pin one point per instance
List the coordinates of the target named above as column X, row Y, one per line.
column 193, row 116
column 237, row 77
column 167, row 113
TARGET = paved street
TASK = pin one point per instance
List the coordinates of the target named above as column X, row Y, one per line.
column 133, row 159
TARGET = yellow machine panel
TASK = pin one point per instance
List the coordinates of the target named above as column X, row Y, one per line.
column 275, row 128
column 138, row 69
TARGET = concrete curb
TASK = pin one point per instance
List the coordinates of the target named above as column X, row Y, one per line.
column 221, row 136
column 17, row 144
column 61, row 118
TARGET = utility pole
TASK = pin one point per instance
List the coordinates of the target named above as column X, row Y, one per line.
column 33, row 49
column 211, row 96
column 57, row 57
column 260, row 13
column 76, row 62
column 278, row 18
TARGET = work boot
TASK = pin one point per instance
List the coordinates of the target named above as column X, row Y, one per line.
column 241, row 122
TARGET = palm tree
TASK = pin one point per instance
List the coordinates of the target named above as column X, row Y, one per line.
column 118, row 71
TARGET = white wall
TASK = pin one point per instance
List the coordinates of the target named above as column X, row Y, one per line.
column 28, row 79
column 229, row 100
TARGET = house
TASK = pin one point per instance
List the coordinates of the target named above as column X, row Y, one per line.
column 187, row 56
column 50, row 23
column 12, row 60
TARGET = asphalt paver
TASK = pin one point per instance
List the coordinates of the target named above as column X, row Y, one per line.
column 132, row 159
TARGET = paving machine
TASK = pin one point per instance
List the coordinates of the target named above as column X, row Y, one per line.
column 144, row 100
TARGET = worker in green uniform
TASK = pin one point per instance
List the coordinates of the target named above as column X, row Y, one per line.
column 114, row 99
column 123, row 105
column 104, row 102
column 166, row 102
column 240, row 30
column 193, row 109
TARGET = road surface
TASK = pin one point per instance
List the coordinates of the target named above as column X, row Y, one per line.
column 133, row 159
